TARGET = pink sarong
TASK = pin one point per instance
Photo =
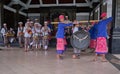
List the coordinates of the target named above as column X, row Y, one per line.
column 101, row 47
column 60, row 44
column 93, row 43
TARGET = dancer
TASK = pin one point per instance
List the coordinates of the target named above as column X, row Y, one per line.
column 36, row 36
column 60, row 36
column 4, row 32
column 45, row 31
column 27, row 34
column 11, row 36
column 20, row 34
column 101, row 27
column 76, row 51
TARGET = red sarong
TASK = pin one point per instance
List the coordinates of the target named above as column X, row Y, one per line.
column 101, row 47
column 60, row 44
column 93, row 43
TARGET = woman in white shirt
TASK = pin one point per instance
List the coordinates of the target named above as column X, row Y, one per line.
column 27, row 34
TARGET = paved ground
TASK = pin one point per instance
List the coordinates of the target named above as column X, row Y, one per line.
column 117, row 55
column 15, row 61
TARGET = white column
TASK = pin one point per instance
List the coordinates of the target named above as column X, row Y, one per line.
column 109, row 8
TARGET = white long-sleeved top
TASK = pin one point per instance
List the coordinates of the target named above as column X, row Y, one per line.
column 45, row 32
column 38, row 31
column 25, row 31
column 75, row 29
column 3, row 31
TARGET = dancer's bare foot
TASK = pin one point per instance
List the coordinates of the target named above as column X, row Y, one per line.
column 58, row 56
column 26, row 50
column 61, row 57
column 104, row 60
column 94, row 60
column 74, row 57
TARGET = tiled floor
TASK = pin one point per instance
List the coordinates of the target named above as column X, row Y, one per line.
column 15, row 61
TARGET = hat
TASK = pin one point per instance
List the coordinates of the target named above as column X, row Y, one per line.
column 45, row 22
column 38, row 24
column 66, row 16
column 26, row 24
column 36, row 19
column 104, row 14
column 20, row 22
column 4, row 24
column 28, row 19
column 61, row 17
column 31, row 22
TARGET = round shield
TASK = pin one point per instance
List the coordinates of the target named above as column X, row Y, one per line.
column 80, row 40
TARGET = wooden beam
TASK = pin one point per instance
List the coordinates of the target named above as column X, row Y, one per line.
column 85, row 21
